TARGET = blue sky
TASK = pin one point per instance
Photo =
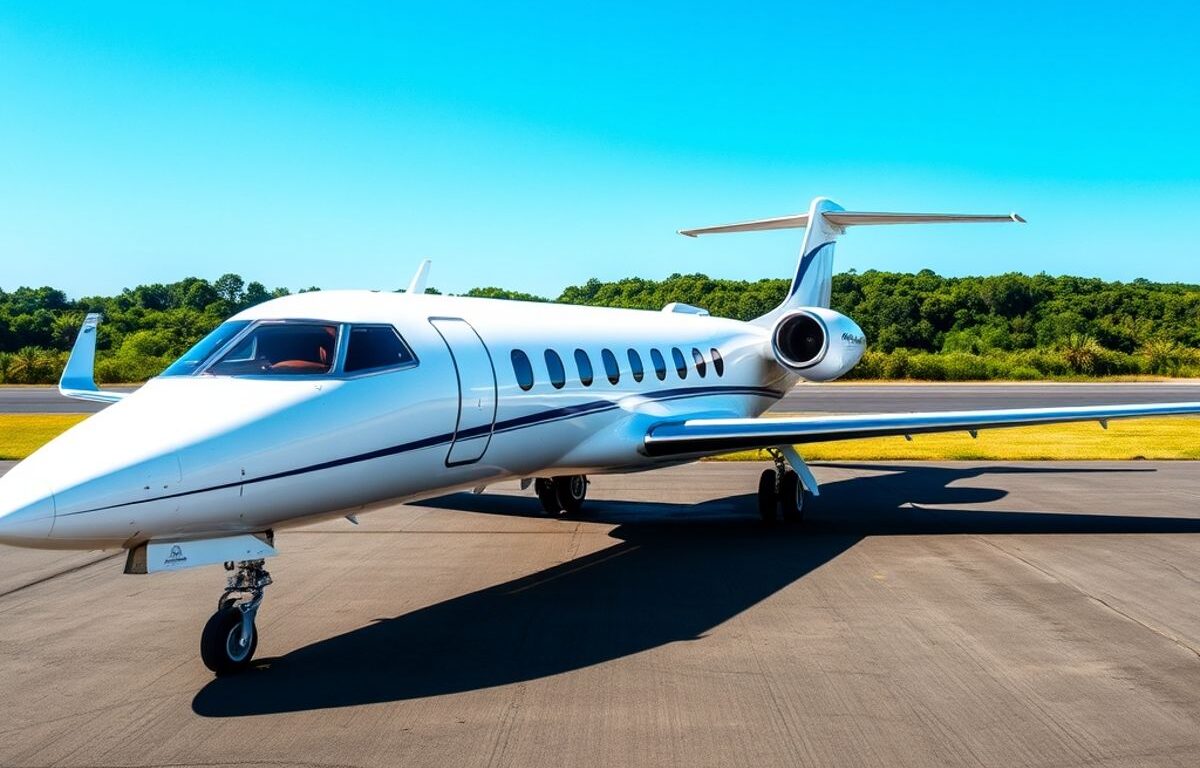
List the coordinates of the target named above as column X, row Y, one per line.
column 533, row 146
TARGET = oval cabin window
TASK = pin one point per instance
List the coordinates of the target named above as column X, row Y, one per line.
column 660, row 365
column 718, row 362
column 635, row 365
column 554, row 366
column 523, row 370
column 611, row 370
column 584, row 364
column 680, row 363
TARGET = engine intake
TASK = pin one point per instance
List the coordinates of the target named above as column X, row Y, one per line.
column 800, row 341
column 817, row 343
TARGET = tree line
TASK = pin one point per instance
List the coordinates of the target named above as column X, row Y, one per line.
column 919, row 326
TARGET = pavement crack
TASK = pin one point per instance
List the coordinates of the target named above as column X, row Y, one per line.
column 1141, row 623
column 507, row 724
column 1180, row 571
column 55, row 575
column 1098, row 600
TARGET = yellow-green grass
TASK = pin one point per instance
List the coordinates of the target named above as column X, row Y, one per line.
column 23, row 433
column 1172, row 437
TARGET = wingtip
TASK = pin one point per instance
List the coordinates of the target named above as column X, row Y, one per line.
column 1018, row 218
column 685, row 233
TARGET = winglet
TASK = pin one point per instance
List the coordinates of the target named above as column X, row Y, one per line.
column 417, row 285
column 78, row 378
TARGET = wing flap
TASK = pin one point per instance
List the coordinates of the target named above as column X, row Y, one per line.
column 724, row 435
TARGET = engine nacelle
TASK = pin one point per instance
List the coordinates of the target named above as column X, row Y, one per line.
column 817, row 343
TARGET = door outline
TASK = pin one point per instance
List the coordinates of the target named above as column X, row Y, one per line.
column 433, row 321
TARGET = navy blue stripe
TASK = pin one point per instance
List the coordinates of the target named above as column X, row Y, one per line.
column 805, row 262
column 508, row 425
column 599, row 406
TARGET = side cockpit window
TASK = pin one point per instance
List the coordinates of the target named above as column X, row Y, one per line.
column 281, row 349
column 204, row 349
column 375, row 347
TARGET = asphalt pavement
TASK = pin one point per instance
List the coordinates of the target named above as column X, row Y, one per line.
column 849, row 397
column 923, row 614
column 20, row 399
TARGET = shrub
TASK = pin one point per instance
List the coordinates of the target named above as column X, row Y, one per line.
column 926, row 367
column 28, row 366
column 1166, row 357
column 961, row 366
column 1024, row 373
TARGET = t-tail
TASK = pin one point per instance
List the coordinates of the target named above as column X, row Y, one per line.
column 825, row 221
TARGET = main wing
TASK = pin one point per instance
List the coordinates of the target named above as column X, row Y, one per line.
column 709, row 436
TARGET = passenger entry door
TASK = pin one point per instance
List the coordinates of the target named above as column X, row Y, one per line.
column 476, row 389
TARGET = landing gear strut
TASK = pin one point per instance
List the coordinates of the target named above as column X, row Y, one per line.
column 563, row 494
column 780, row 490
column 230, row 637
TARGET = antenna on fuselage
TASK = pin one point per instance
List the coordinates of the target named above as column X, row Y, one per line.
column 417, row 284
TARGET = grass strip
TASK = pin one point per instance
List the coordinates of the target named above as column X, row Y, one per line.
column 1167, row 437
column 23, row 433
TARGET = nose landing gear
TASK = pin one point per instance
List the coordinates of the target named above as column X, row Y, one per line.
column 230, row 637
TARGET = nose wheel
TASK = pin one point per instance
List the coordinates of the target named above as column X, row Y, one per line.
column 230, row 637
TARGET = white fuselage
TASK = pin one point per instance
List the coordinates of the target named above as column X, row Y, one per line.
column 203, row 455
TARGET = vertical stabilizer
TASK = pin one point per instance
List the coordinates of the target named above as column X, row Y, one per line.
column 813, row 282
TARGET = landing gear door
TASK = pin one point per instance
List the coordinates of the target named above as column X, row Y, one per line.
column 476, row 390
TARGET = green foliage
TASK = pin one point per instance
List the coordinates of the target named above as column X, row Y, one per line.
column 920, row 326
column 725, row 298
column 144, row 328
column 491, row 292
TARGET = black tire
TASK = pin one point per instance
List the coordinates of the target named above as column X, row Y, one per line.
column 768, row 501
column 544, row 488
column 570, row 490
column 791, row 497
column 219, row 647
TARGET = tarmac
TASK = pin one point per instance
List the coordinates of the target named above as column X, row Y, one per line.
column 42, row 399
column 850, row 397
column 922, row 615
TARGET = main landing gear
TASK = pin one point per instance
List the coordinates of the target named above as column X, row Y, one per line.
column 229, row 638
column 781, row 491
column 561, row 495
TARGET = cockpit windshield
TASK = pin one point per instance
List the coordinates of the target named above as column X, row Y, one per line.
column 281, row 349
column 204, row 348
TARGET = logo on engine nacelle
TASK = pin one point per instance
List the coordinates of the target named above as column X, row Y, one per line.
column 850, row 337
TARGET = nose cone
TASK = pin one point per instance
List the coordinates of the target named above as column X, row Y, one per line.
column 26, row 512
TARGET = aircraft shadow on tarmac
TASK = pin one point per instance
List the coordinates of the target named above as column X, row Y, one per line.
column 677, row 571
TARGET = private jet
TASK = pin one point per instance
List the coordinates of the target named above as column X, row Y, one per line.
column 334, row 403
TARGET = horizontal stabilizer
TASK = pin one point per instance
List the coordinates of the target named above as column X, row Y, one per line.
column 799, row 221
column 854, row 219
